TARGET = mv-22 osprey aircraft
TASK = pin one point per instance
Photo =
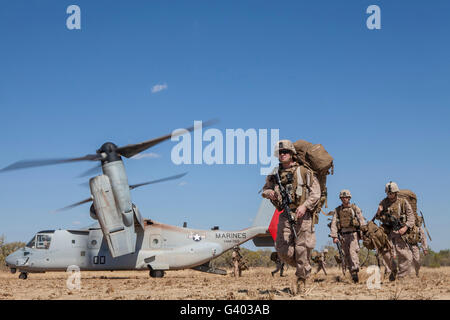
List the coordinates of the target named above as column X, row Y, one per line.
column 121, row 239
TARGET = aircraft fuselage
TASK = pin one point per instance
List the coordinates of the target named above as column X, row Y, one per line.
column 158, row 247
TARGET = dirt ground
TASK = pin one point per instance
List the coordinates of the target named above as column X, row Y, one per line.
column 255, row 284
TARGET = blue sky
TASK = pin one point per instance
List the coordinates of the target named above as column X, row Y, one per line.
column 378, row 100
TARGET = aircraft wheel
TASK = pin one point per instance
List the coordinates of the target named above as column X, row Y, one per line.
column 156, row 273
column 23, row 275
column 13, row 270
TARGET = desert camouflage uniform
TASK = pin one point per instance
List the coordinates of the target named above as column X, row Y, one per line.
column 321, row 264
column 416, row 250
column 296, row 254
column 400, row 208
column 349, row 235
column 236, row 258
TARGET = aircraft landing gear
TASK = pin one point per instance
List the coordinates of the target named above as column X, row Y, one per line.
column 13, row 270
column 157, row 273
column 23, row 275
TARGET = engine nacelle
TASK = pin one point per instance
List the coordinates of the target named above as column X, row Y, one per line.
column 118, row 178
column 121, row 239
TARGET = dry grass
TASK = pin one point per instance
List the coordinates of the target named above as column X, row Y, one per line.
column 255, row 284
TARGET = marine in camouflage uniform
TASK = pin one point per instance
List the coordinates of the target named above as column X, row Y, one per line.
column 236, row 259
column 416, row 250
column 304, row 189
column 347, row 219
column 320, row 261
column 399, row 208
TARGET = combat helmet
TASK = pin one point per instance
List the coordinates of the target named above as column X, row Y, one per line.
column 345, row 193
column 284, row 145
column 391, row 187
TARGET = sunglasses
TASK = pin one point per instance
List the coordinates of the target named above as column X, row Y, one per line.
column 285, row 152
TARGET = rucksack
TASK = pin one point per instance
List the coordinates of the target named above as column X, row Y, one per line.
column 412, row 199
column 374, row 237
column 412, row 236
column 317, row 159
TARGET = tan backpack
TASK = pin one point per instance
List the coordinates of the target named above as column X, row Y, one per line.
column 411, row 197
column 317, row 159
column 374, row 237
column 412, row 236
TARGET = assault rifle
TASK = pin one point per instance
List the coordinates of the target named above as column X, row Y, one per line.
column 424, row 225
column 392, row 222
column 286, row 201
column 395, row 224
column 341, row 253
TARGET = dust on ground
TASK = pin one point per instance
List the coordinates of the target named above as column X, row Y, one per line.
column 255, row 284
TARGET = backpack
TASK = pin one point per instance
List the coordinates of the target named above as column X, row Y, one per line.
column 318, row 160
column 411, row 197
column 374, row 237
column 412, row 236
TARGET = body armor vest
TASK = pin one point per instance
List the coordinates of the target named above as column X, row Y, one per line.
column 346, row 217
column 296, row 180
column 397, row 209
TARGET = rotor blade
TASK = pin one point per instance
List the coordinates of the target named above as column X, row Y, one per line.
column 47, row 162
column 134, row 186
column 90, row 172
column 132, row 149
column 73, row 205
column 85, row 184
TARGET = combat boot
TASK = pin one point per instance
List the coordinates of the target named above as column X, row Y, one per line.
column 355, row 277
column 301, row 286
column 393, row 275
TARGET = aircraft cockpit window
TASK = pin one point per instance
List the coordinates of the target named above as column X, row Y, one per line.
column 32, row 243
column 43, row 241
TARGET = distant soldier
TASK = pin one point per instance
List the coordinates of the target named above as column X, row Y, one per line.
column 236, row 259
column 319, row 259
column 397, row 217
column 239, row 263
column 416, row 250
column 280, row 264
column 303, row 188
column 347, row 219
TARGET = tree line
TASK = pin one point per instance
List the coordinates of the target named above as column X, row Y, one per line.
column 6, row 249
column 261, row 257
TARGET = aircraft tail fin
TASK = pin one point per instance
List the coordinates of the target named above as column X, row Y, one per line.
column 262, row 219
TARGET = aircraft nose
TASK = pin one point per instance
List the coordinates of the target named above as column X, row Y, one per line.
column 10, row 260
